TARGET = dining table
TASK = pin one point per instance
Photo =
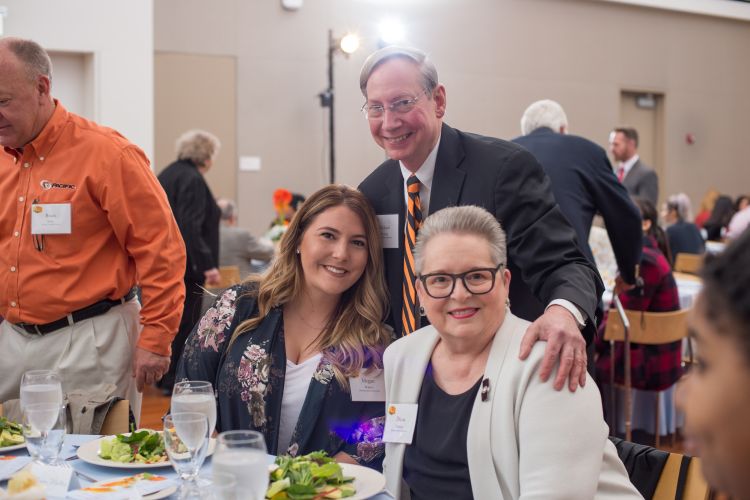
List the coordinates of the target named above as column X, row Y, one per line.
column 87, row 473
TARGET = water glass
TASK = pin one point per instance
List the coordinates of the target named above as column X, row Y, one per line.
column 41, row 386
column 217, row 486
column 44, row 430
column 243, row 454
column 186, row 443
column 195, row 396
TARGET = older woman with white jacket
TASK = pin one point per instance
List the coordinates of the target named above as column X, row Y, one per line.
column 486, row 425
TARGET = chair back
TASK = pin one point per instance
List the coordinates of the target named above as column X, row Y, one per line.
column 679, row 472
column 651, row 328
column 117, row 419
column 230, row 276
column 688, row 263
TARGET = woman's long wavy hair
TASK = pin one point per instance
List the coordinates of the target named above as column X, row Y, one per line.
column 355, row 336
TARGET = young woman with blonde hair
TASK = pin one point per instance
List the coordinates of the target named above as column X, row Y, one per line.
column 280, row 347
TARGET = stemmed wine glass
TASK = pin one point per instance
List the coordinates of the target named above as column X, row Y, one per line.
column 243, row 455
column 186, row 443
column 195, row 396
column 44, row 430
column 41, row 386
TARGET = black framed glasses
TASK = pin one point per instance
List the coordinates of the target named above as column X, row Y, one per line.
column 477, row 281
column 400, row 107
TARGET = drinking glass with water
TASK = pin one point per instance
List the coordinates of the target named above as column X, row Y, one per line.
column 243, row 454
column 186, row 443
column 41, row 386
column 44, row 430
column 195, row 396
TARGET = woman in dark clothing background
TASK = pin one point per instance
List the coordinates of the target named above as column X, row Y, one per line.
column 683, row 235
column 720, row 217
column 197, row 216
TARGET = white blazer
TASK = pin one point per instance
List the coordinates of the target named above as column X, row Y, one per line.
column 527, row 440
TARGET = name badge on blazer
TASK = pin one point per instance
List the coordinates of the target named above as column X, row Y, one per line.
column 369, row 386
column 400, row 420
column 389, row 232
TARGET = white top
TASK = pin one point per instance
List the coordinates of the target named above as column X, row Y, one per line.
column 296, row 382
column 740, row 221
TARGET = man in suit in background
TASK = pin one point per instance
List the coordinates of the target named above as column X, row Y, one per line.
column 433, row 166
column 584, row 185
column 639, row 179
column 237, row 246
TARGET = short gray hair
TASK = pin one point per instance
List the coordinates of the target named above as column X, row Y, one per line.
column 419, row 58
column 680, row 203
column 467, row 219
column 228, row 208
column 32, row 55
column 544, row 113
column 197, row 146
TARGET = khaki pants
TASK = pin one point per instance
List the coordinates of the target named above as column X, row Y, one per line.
column 88, row 354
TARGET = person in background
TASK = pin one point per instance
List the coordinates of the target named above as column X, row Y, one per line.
column 197, row 215
column 281, row 347
column 714, row 395
column 482, row 428
column 707, row 206
column 68, row 295
column 653, row 367
column 237, row 246
column 683, row 235
column 431, row 166
column 741, row 219
column 640, row 179
column 721, row 215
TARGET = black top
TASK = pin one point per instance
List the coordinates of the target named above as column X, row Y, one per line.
column 436, row 463
column 685, row 237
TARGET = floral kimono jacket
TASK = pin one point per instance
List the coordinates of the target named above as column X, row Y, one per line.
column 249, row 381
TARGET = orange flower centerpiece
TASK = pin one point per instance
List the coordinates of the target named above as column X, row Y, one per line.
column 282, row 198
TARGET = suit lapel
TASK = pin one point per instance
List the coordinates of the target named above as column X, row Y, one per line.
column 449, row 178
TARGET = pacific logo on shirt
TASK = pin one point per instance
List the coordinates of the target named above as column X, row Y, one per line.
column 56, row 185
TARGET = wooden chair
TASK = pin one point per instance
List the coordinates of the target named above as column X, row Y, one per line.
column 643, row 328
column 117, row 420
column 230, row 275
column 695, row 488
column 690, row 263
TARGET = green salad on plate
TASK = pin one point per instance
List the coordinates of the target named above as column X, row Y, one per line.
column 315, row 476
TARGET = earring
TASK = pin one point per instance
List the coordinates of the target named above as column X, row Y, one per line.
column 298, row 251
column 507, row 302
column 421, row 311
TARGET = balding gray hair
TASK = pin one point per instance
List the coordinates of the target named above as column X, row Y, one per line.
column 197, row 146
column 467, row 219
column 419, row 58
column 544, row 113
column 228, row 208
column 32, row 55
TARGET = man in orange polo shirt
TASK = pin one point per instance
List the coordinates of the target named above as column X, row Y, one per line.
column 82, row 219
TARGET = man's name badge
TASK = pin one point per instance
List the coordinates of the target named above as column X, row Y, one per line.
column 50, row 218
column 369, row 386
column 389, row 232
column 400, row 420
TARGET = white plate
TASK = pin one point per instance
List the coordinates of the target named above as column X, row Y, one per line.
column 151, row 496
column 367, row 482
column 12, row 447
column 89, row 452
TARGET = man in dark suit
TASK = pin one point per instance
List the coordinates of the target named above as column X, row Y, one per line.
column 583, row 183
column 405, row 108
column 639, row 179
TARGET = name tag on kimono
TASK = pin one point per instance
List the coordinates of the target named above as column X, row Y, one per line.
column 389, row 232
column 400, row 420
column 368, row 386
column 50, row 218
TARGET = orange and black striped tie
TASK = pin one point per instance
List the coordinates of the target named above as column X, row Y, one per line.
column 413, row 222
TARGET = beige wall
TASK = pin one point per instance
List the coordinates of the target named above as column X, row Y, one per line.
column 495, row 57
